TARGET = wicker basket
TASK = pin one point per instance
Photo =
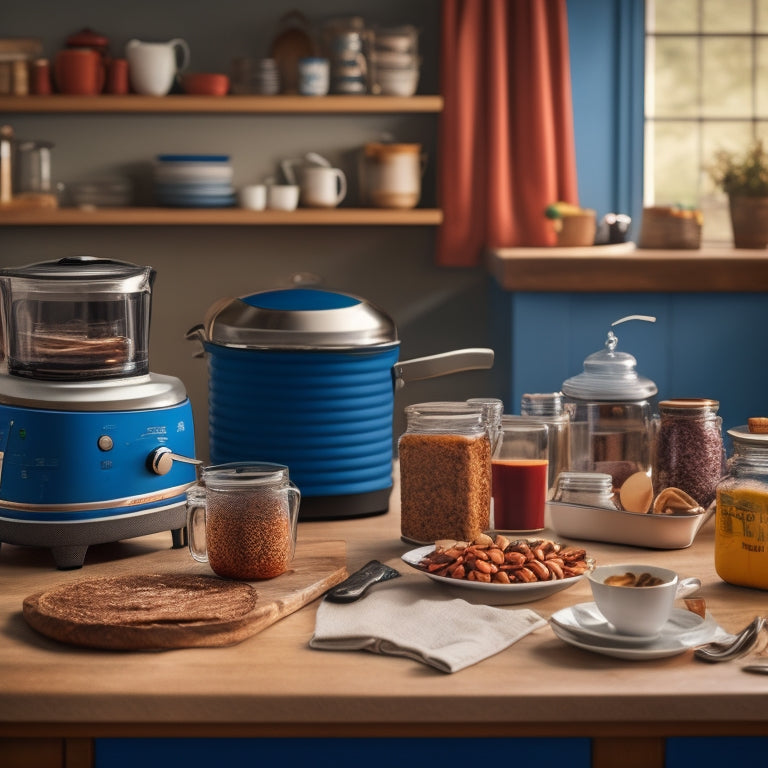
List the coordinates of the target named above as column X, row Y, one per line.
column 670, row 228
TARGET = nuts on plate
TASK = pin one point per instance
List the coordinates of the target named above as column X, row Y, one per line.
column 502, row 561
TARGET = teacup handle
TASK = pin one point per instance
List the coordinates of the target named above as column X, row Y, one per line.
column 342, row 186
column 196, row 524
column 687, row 587
column 177, row 42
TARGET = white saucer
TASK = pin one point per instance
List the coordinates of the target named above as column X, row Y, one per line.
column 579, row 626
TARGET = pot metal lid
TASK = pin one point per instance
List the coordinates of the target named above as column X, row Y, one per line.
column 299, row 318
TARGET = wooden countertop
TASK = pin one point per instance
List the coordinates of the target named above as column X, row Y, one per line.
column 624, row 268
column 273, row 684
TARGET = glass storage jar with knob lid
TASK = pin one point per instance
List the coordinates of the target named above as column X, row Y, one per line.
column 741, row 516
column 613, row 412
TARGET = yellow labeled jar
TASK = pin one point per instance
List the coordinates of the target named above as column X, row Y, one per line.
column 741, row 528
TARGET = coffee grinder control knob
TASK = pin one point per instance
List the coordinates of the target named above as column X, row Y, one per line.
column 160, row 460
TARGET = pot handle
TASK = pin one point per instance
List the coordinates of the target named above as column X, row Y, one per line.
column 438, row 365
column 197, row 333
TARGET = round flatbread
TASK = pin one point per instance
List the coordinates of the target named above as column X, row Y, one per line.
column 145, row 611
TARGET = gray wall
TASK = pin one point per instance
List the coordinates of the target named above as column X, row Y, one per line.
column 435, row 309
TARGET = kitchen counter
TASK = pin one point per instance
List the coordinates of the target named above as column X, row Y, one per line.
column 623, row 267
column 273, row 684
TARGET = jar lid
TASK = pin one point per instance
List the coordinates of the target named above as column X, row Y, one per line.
column 445, row 416
column 242, row 473
column 743, row 435
column 542, row 404
column 609, row 375
column 378, row 149
column 585, row 481
column 299, row 318
column 689, row 404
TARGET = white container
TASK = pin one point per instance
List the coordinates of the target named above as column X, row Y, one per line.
column 254, row 197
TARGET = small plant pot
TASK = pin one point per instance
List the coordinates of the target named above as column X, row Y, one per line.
column 749, row 219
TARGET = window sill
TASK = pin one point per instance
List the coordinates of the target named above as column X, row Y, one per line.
column 625, row 268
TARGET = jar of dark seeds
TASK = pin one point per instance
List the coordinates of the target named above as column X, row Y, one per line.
column 689, row 452
column 445, row 473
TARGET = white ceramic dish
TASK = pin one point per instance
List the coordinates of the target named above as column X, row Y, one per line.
column 684, row 630
column 576, row 521
column 509, row 593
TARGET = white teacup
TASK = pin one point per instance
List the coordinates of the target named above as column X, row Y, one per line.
column 638, row 610
column 152, row 67
column 283, row 197
column 254, row 197
column 322, row 187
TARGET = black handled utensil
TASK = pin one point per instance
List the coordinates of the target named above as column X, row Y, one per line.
column 356, row 585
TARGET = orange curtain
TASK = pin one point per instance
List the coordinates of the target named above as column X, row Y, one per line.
column 506, row 132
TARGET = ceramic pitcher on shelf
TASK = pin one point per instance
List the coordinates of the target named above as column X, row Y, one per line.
column 152, row 67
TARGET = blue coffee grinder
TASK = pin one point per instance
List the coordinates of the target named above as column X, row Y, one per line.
column 93, row 447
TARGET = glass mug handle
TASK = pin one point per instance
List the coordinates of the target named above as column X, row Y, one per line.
column 196, row 524
column 294, row 497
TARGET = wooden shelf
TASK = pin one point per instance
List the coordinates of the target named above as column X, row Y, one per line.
column 221, row 104
column 625, row 268
column 217, row 216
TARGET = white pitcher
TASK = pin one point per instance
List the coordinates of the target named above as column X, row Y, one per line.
column 152, row 67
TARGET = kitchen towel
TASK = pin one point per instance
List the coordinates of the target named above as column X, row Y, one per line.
column 412, row 619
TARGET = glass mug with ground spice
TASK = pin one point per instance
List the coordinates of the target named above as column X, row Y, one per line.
column 445, row 472
column 688, row 451
column 242, row 518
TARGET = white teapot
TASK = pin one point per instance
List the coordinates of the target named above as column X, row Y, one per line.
column 152, row 67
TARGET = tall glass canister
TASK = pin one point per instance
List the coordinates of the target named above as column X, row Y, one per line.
column 445, row 473
column 549, row 408
column 688, row 451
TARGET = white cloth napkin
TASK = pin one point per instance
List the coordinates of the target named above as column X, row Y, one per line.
column 410, row 618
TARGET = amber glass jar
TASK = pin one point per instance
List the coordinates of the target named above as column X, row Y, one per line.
column 445, row 472
column 741, row 517
column 689, row 452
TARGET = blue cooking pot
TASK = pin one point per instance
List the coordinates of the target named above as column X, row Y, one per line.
column 306, row 378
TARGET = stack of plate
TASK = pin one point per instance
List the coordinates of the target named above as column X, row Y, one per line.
column 266, row 77
column 194, row 181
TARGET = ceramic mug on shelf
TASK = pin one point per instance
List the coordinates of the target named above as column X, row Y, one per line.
column 322, row 187
column 153, row 66
column 283, row 197
column 79, row 72
column 253, row 197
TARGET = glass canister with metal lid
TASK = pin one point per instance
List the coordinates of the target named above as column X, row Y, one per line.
column 445, row 472
column 613, row 410
column 741, row 516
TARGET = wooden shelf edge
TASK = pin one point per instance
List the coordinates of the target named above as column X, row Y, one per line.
column 285, row 104
column 601, row 270
column 218, row 217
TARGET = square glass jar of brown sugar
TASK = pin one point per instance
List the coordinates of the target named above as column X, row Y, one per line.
column 445, row 473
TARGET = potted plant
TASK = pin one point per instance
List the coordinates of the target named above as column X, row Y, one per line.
column 744, row 178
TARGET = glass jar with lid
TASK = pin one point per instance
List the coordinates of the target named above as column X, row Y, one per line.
column 741, row 516
column 445, row 472
column 549, row 408
column 689, row 452
column 613, row 411
column 591, row 489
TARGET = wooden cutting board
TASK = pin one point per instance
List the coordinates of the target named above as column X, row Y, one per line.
column 183, row 606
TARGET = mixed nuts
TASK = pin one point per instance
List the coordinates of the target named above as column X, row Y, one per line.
column 500, row 560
